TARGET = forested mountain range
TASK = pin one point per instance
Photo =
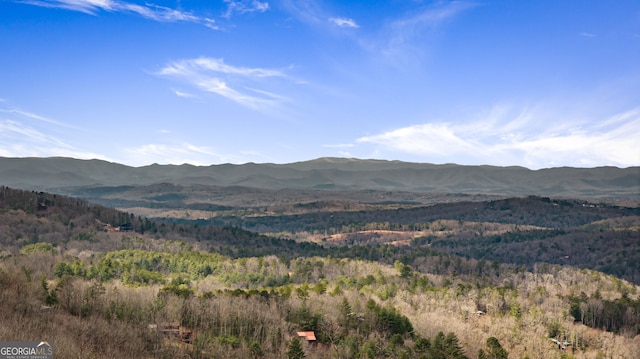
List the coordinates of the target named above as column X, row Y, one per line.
column 381, row 259
column 534, row 229
column 66, row 174
column 516, row 231
column 96, row 281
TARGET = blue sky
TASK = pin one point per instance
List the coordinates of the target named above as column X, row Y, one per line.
column 530, row 83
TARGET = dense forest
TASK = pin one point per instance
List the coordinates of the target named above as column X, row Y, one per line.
column 596, row 236
column 100, row 283
column 532, row 210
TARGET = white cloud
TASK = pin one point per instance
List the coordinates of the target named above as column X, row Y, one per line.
column 175, row 154
column 244, row 7
column 339, row 145
column 587, row 34
column 307, row 11
column 183, row 94
column 341, row 149
column 402, row 39
column 27, row 134
column 429, row 17
column 218, row 65
column 148, row 10
column 14, row 130
column 424, row 139
column 86, row 6
column 312, row 13
column 344, row 22
column 18, row 139
column 159, row 13
column 34, row 116
column 520, row 138
column 214, row 76
column 218, row 86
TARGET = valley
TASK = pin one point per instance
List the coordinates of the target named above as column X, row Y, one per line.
column 170, row 270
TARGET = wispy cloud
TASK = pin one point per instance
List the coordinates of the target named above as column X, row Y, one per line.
column 587, row 34
column 176, row 154
column 86, row 6
column 148, row 10
column 183, row 94
column 244, row 7
column 215, row 76
column 344, row 22
column 339, row 145
column 428, row 17
column 24, row 133
column 18, row 139
column 312, row 13
column 218, row 65
column 439, row 139
column 341, row 149
column 34, row 116
column 509, row 139
column 402, row 38
column 306, row 11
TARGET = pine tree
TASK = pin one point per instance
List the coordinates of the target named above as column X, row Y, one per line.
column 495, row 349
column 295, row 350
column 346, row 314
column 447, row 347
column 453, row 348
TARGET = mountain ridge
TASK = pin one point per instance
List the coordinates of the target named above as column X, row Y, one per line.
column 328, row 173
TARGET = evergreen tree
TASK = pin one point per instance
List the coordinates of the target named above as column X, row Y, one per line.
column 256, row 350
column 495, row 349
column 447, row 347
column 453, row 349
column 421, row 345
column 346, row 315
column 295, row 350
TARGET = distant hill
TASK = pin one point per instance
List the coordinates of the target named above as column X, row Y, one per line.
column 66, row 175
column 598, row 237
column 28, row 217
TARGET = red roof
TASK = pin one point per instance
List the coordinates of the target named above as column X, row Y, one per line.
column 308, row 336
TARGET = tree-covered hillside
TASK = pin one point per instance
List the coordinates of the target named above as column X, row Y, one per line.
column 116, row 304
column 99, row 283
column 29, row 217
column 531, row 210
column 520, row 231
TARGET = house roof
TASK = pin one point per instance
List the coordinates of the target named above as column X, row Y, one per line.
column 308, row 336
